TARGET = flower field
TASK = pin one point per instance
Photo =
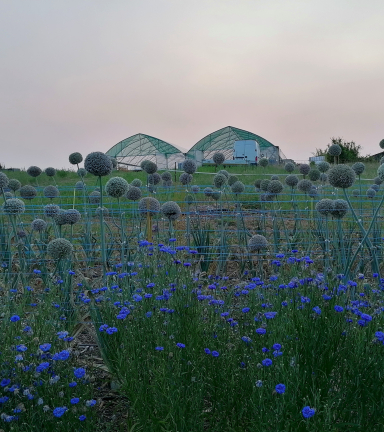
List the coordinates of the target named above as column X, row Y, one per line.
column 211, row 299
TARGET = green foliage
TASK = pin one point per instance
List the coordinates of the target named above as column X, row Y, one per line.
column 350, row 151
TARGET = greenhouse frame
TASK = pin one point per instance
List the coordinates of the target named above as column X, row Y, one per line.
column 131, row 151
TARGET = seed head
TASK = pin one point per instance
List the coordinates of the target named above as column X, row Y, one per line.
column 218, row 158
column 263, row 162
column 116, row 187
column 50, row 172
column 98, row 164
column 150, row 167
column 304, row 169
column 13, row 206
column 237, row 187
column 166, row 176
column 189, row 166
column 3, row 180
column 275, row 187
column 14, row 185
column 171, row 210
column 133, row 193
column 314, row 174
column 28, row 192
column 289, row 167
column 340, row 208
column 34, row 171
column 325, row 206
column 334, row 150
column 149, row 205
column 38, row 225
column 136, row 182
column 304, row 185
column 232, row 179
column 59, row 248
column 50, row 210
column 257, row 243
column 358, row 167
column 94, row 197
column 341, row 176
column 219, row 180
column 323, row 166
column 51, row 192
column 264, row 184
column 75, row 158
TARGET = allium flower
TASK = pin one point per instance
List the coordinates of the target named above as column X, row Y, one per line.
column 50, row 172
column 323, row 166
column 232, row 179
column 189, row 166
column 376, row 180
column 98, row 164
column 34, row 171
column 189, row 199
column 218, row 158
column 313, row 193
column 185, row 178
column 334, row 150
column 136, row 182
column 13, row 206
column 237, row 188
column 341, row 176
column 171, row 210
column 263, row 162
column 154, row 179
column 275, row 187
column 208, row 192
column 304, row 185
column 81, row 172
column 371, row 193
column 59, row 248
column 150, row 167
column 314, row 174
column 216, row 194
column 291, row 180
column 257, row 183
column 133, row 193
column 3, row 180
column 257, row 243
column 168, row 183
column 75, row 158
column 114, row 162
column 116, row 187
column 375, row 187
column 280, row 388
column 149, row 205
column 38, row 225
column 51, row 192
column 166, row 176
column 304, row 169
column 219, row 180
column 308, row 412
column 325, row 206
column 323, row 177
column 14, row 185
column 340, row 208
column 72, row 216
column 28, row 192
column 94, row 197
column 289, row 167
column 224, row 172
column 358, row 167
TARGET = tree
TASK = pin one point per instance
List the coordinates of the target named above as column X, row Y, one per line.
column 350, row 151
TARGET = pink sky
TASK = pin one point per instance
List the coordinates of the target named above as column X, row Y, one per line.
column 81, row 75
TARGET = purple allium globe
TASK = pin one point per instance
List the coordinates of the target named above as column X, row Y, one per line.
column 189, row 166
column 304, row 169
column 13, row 207
column 60, row 218
column 104, row 210
column 59, row 248
column 185, row 178
column 289, row 167
column 275, row 187
column 314, row 174
column 274, row 177
column 136, row 182
column 264, row 184
column 81, row 172
column 263, row 162
column 218, row 158
column 50, row 172
column 133, row 193
column 219, row 180
column 304, row 185
column 257, row 243
column 34, row 171
column 358, row 167
column 171, row 210
column 376, row 180
column 355, row 193
column 334, row 150
column 50, row 210
column 291, row 180
column 371, row 193
column 238, row 188
column 51, row 192
column 224, row 172
column 375, row 187
column 72, row 216
column 154, row 178
column 75, row 158
column 8, row 195
column 38, row 225
column 98, row 164
column 340, row 208
column 94, row 197
column 116, row 187
column 149, row 205
column 3, row 180
column 28, row 192
column 325, row 207
column 323, row 166
column 232, row 179
column 195, row 189
column 150, row 167
column 341, row 176
column 14, row 185
column 208, row 191
column 166, row 176
column 381, row 144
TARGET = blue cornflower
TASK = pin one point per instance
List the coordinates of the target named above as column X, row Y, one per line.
column 180, row 345
column 63, row 355
column 280, row 388
column 148, row 314
column 207, row 351
column 21, row 348
column 277, row 353
column 366, row 317
column 338, row 308
column 79, row 372
column 14, row 318
column 4, row 382
column 284, row 303
column 267, row 362
column 90, row 403
column 246, row 339
column 82, row 417
column 215, row 354
column 264, row 349
column 59, row 411
column 261, row 331
column 72, row 384
column 111, row 330
column 308, row 412
column 3, row 399
column 159, row 348
column 380, row 336
column 317, row 310
column 270, row 315
column 276, row 346
column 45, row 347
column 42, row 366
column 75, row 401
column 246, row 309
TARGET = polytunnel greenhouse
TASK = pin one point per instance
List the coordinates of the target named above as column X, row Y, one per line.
column 223, row 141
column 131, row 151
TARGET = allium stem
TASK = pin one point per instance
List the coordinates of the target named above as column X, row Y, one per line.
column 103, row 257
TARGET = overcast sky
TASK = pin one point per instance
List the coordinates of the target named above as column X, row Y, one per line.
column 81, row 75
